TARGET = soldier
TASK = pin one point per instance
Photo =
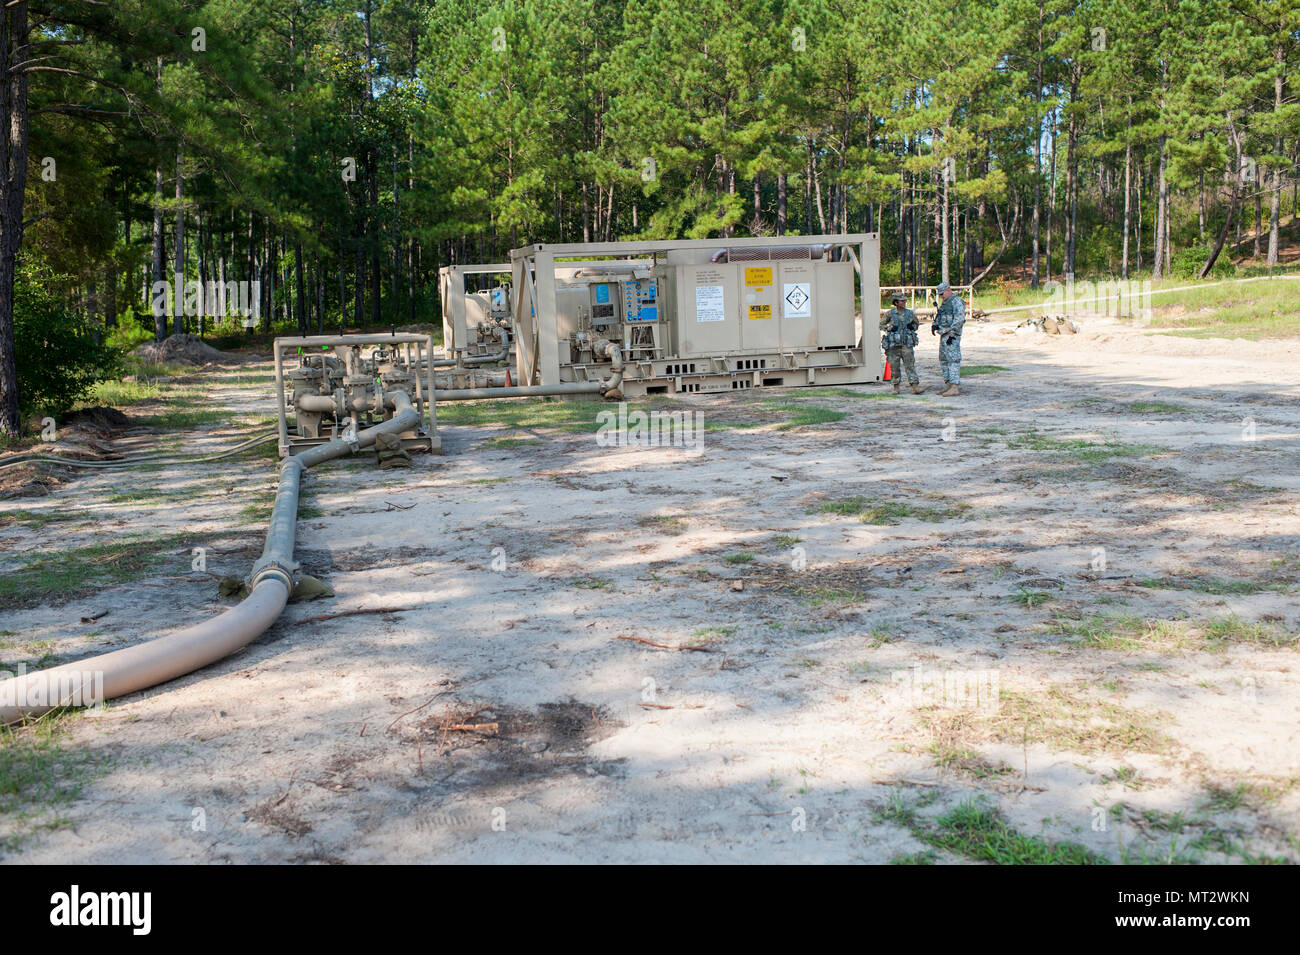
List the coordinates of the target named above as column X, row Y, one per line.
column 899, row 325
column 948, row 320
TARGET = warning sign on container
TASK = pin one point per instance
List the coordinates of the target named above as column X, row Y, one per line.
column 709, row 304
column 798, row 300
column 760, row 311
column 758, row 275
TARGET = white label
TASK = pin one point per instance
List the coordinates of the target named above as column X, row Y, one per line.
column 709, row 304
column 798, row 300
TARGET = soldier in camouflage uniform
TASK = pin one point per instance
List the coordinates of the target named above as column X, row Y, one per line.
column 948, row 320
column 899, row 325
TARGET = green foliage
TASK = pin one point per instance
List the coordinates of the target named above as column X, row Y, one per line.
column 128, row 336
column 59, row 355
column 1188, row 262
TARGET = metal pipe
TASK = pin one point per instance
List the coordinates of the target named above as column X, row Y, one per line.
column 324, row 404
column 487, row 359
column 157, row 661
column 523, row 391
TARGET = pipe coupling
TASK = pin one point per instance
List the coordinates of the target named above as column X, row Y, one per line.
column 270, row 567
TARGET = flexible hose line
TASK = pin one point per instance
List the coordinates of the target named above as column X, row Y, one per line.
column 147, row 664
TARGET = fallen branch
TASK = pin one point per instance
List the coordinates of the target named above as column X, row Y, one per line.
column 666, row 646
column 474, row 727
column 350, row 613
column 93, row 617
column 399, row 507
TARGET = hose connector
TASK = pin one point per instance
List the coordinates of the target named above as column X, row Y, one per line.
column 270, row 567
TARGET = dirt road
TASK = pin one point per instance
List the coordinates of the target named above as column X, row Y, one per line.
column 1056, row 614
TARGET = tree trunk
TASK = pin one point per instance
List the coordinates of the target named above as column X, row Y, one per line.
column 1162, row 212
column 1275, row 199
column 1128, row 191
column 13, row 186
column 178, row 268
column 782, row 187
column 159, row 256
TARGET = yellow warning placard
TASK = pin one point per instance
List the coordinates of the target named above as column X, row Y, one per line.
column 760, row 311
column 759, row 275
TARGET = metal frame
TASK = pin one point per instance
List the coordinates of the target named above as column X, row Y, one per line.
column 451, row 287
column 534, row 284
column 423, row 399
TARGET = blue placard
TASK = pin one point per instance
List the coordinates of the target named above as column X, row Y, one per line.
column 602, row 294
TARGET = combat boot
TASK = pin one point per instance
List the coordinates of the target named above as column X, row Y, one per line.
column 918, row 388
column 898, row 385
column 948, row 390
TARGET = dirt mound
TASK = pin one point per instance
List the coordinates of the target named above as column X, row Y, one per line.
column 98, row 418
column 187, row 350
column 28, row 480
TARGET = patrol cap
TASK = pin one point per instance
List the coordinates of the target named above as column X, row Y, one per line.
column 898, row 297
column 942, row 287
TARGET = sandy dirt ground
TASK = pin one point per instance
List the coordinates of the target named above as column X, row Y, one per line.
column 1082, row 620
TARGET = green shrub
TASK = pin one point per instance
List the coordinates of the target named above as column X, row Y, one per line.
column 58, row 353
column 1187, row 262
column 128, row 335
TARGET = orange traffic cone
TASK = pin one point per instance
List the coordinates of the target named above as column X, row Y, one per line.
column 508, row 378
column 887, row 372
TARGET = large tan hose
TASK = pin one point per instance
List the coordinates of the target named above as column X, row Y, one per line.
column 94, row 680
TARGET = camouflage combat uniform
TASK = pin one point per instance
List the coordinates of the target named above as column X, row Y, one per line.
column 899, row 326
column 948, row 320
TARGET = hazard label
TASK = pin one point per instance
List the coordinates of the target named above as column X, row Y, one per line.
column 758, row 275
column 760, row 311
column 798, row 300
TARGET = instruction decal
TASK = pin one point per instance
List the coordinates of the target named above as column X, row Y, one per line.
column 758, row 275
column 709, row 304
column 760, row 311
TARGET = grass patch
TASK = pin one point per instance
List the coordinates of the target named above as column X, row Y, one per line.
column 122, row 394
column 1226, row 798
column 785, row 540
column 142, row 370
column 925, row 857
column 797, row 415
column 739, row 558
column 665, row 523
column 889, row 512
column 1250, row 310
column 1157, row 407
column 1121, row 633
column 38, row 519
column 821, row 596
column 38, row 778
column 1061, row 719
column 593, row 583
column 964, row 760
column 504, row 444
column 836, row 393
column 1217, row 586
column 977, row 832
column 569, row 416
column 968, row 371
column 1081, row 449
column 68, row 573
column 1030, row 598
